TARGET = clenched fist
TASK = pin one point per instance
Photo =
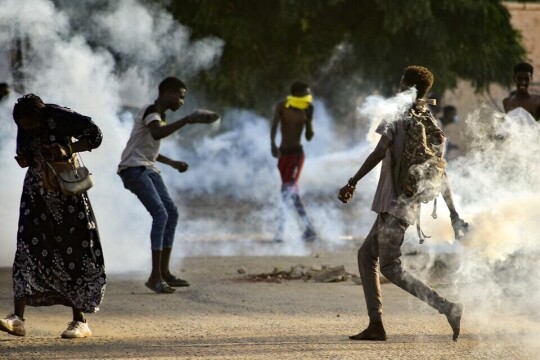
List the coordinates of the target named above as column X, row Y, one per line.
column 346, row 193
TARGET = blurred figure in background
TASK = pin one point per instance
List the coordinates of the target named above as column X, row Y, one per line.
column 437, row 107
column 292, row 116
column 4, row 91
column 447, row 124
column 523, row 74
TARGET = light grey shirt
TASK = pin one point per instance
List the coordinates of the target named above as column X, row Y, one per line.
column 386, row 199
column 142, row 149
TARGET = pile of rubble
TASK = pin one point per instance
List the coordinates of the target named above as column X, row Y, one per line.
column 324, row 274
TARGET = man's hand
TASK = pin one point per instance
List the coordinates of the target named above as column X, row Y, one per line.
column 203, row 117
column 309, row 135
column 346, row 193
column 275, row 151
column 180, row 166
column 459, row 225
column 56, row 152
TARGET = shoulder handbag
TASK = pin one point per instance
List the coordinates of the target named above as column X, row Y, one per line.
column 70, row 177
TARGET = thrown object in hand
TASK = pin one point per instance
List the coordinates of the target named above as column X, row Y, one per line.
column 205, row 116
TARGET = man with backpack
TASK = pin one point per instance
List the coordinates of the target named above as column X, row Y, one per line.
column 413, row 171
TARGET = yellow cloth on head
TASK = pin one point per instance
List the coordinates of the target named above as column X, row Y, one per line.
column 301, row 103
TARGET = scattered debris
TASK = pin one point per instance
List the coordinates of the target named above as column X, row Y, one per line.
column 241, row 270
column 324, row 274
column 333, row 274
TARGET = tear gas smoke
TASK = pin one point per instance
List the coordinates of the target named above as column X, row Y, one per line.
column 495, row 184
column 62, row 68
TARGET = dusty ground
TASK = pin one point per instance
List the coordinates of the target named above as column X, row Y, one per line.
column 222, row 317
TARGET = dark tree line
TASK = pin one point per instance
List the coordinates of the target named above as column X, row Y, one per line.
column 340, row 46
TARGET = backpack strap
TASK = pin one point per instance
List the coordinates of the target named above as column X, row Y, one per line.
column 421, row 235
column 434, row 212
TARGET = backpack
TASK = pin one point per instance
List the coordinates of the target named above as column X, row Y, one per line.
column 418, row 174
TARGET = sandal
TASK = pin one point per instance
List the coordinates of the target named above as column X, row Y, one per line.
column 160, row 287
column 172, row 280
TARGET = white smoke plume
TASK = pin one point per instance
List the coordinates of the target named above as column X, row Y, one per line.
column 63, row 68
column 495, row 184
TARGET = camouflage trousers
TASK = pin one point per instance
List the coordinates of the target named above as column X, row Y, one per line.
column 382, row 248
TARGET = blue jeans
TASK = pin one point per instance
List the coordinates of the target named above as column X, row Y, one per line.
column 152, row 192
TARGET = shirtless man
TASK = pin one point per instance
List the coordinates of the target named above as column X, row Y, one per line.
column 293, row 115
column 523, row 73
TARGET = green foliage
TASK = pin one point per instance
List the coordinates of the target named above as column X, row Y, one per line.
column 344, row 46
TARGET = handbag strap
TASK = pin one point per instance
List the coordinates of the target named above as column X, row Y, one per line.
column 70, row 161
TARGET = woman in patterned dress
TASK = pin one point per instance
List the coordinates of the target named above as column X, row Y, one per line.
column 58, row 260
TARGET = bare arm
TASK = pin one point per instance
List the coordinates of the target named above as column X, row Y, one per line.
column 346, row 192
column 459, row 225
column 309, row 130
column 309, row 123
column 160, row 131
column 178, row 165
column 273, row 131
column 376, row 156
column 448, row 197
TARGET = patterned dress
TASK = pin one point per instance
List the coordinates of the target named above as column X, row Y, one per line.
column 59, row 258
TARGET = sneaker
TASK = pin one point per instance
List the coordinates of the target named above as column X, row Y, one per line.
column 77, row 329
column 12, row 324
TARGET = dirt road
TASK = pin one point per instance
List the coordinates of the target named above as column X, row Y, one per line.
column 223, row 317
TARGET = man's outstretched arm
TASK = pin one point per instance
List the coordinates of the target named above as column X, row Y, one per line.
column 160, row 131
column 377, row 155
